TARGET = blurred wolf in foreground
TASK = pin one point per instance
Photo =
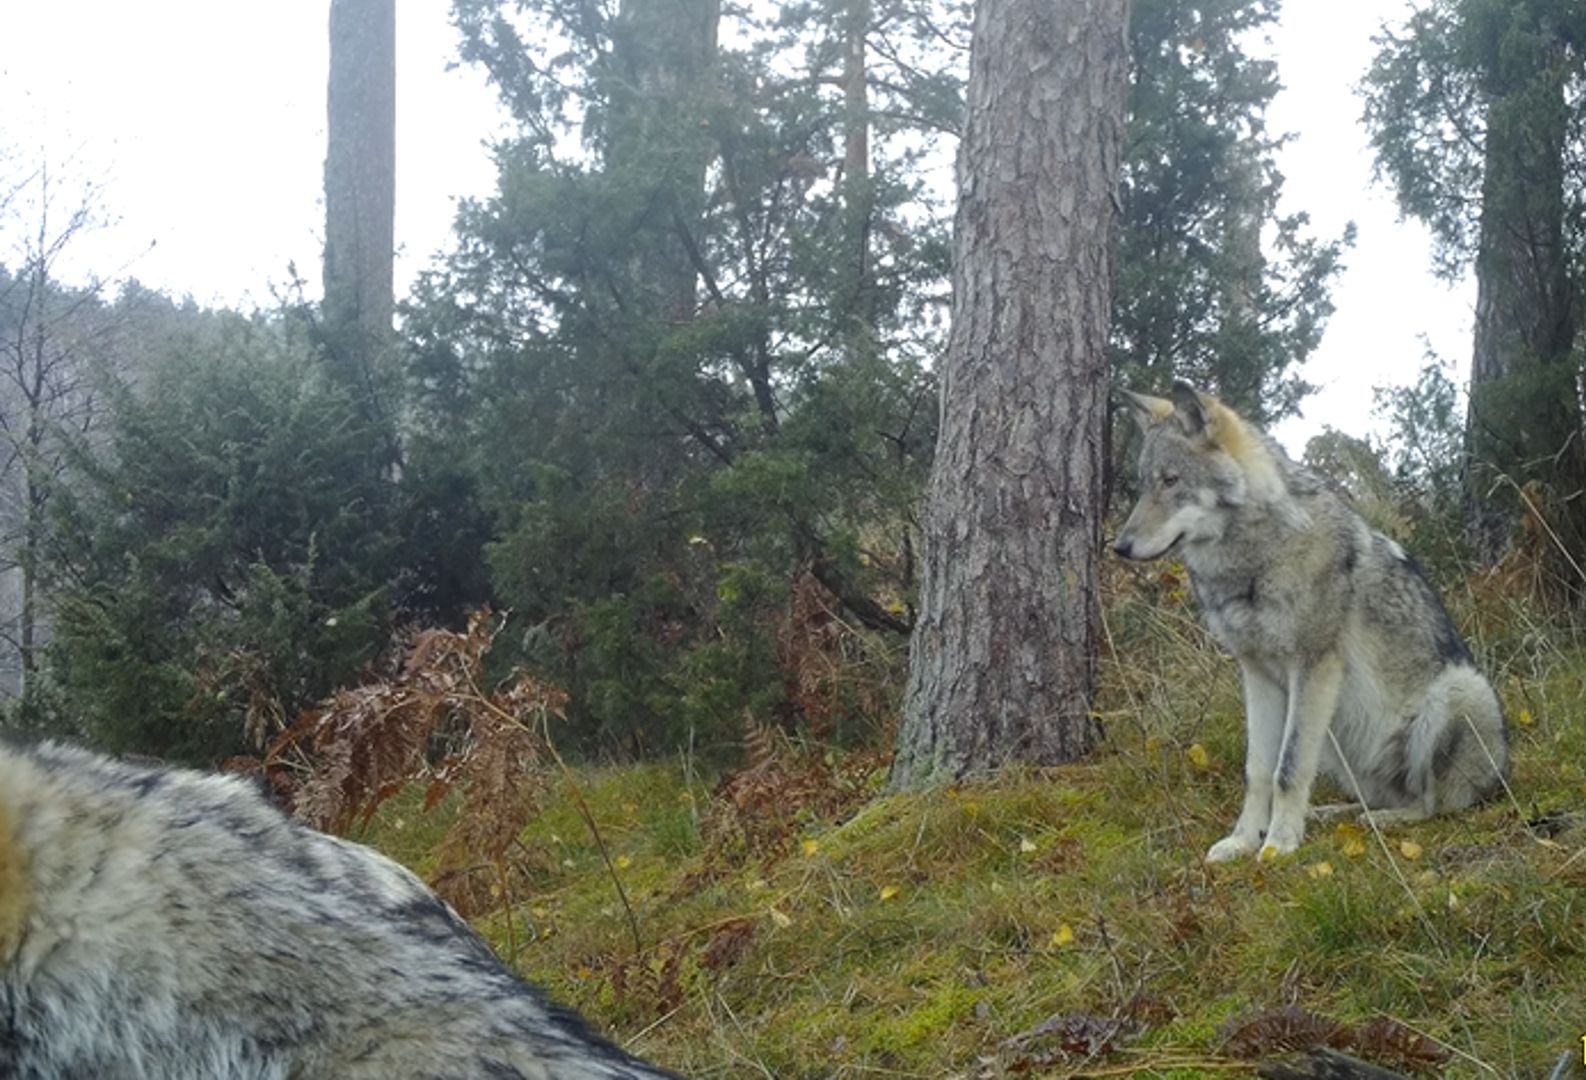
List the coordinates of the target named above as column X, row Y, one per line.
column 1349, row 661
column 161, row 924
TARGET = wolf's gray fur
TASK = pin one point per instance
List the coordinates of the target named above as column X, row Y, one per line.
column 1333, row 625
column 162, row 924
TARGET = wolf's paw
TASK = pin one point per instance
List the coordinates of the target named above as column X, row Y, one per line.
column 1280, row 841
column 1231, row 847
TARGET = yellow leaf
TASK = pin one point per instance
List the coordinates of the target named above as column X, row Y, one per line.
column 1409, row 849
column 780, row 919
column 811, row 846
column 1524, row 718
column 971, row 807
column 585, row 973
column 1063, row 935
column 1320, row 870
column 1026, row 845
column 623, row 862
column 888, row 891
column 1198, row 756
column 1351, row 839
column 697, row 540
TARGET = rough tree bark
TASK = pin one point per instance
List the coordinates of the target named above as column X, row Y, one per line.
column 1003, row 660
column 360, row 189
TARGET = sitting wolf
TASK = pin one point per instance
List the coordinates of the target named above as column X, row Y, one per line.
column 161, row 924
column 1349, row 661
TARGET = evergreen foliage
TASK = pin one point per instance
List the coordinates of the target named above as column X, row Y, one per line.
column 229, row 557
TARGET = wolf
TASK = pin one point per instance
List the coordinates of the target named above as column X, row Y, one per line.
column 1349, row 661
column 164, row 924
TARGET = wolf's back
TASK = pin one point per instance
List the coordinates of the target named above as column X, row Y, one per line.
column 172, row 924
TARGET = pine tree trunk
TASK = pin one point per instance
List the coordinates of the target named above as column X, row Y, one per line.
column 360, row 189
column 858, row 195
column 1003, row 660
column 666, row 52
column 1524, row 409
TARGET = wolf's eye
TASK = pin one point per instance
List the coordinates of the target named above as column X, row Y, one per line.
column 1169, row 480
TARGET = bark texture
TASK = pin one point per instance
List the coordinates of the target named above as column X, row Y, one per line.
column 1003, row 661
column 360, row 185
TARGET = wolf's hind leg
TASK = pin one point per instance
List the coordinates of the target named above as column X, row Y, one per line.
column 1458, row 749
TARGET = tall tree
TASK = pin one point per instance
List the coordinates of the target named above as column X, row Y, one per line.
column 1215, row 285
column 1003, row 663
column 1470, row 108
column 360, row 192
column 671, row 459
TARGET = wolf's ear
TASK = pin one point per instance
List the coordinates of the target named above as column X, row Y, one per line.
column 1190, row 408
column 1204, row 416
column 1148, row 411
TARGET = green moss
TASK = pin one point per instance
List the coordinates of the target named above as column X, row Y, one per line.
column 925, row 1024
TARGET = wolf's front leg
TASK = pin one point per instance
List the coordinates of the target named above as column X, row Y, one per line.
column 1266, row 707
column 1313, row 699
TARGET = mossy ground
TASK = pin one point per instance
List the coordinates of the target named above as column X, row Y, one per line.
column 914, row 936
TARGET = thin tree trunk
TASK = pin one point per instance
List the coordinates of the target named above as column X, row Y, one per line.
column 32, row 384
column 360, row 190
column 1003, row 661
column 858, row 195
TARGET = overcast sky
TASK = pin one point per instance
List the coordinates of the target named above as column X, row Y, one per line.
column 204, row 122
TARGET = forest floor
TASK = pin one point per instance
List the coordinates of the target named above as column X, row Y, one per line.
column 795, row 921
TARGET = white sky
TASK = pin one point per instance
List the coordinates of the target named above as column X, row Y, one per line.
column 204, row 122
